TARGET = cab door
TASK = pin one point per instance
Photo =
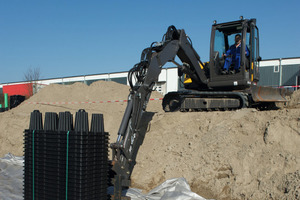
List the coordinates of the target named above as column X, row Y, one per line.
column 254, row 57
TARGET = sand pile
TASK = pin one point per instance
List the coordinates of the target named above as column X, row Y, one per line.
column 295, row 100
column 244, row 154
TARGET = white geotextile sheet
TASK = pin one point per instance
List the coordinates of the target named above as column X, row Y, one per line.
column 11, row 177
column 11, row 184
column 172, row 189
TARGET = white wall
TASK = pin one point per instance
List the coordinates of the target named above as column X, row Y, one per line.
column 172, row 80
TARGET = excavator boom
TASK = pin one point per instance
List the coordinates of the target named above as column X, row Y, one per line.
column 142, row 78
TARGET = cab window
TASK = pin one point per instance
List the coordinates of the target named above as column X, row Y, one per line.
column 219, row 43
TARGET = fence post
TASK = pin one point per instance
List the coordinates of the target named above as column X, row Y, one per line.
column 6, row 101
column 280, row 73
column 297, row 82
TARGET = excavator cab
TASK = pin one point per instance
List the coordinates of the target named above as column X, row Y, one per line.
column 222, row 38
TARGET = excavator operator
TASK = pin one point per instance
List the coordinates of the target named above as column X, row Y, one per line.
column 233, row 56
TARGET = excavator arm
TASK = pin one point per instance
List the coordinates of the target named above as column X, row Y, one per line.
column 142, row 78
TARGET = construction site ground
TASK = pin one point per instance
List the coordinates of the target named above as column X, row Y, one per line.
column 242, row 154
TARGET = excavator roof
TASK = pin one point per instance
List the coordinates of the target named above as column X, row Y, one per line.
column 233, row 23
column 233, row 26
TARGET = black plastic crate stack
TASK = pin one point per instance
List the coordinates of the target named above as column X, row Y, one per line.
column 63, row 161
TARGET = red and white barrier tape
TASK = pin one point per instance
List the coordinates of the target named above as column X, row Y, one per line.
column 85, row 102
column 294, row 86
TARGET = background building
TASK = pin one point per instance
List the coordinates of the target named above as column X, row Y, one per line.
column 280, row 72
column 283, row 72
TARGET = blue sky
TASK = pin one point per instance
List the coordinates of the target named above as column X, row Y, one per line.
column 69, row 38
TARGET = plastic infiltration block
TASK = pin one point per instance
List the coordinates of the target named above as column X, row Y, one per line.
column 65, row 162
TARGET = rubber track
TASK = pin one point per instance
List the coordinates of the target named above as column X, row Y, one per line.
column 214, row 94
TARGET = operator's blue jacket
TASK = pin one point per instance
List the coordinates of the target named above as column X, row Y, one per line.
column 236, row 57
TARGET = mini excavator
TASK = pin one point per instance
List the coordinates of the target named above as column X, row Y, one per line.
column 205, row 86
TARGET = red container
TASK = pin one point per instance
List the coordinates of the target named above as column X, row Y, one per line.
column 18, row 89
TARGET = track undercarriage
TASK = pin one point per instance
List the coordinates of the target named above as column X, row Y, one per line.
column 188, row 100
column 203, row 101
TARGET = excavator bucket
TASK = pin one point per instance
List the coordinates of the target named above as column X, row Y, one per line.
column 268, row 94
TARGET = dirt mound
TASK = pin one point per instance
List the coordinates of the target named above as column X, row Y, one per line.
column 225, row 155
column 60, row 98
column 244, row 154
column 295, row 100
